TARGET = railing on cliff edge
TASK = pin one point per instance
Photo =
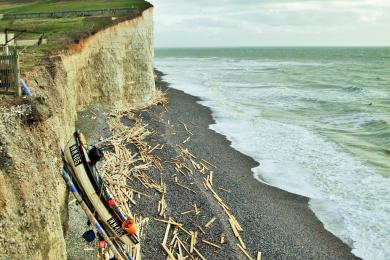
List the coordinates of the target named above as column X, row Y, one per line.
column 79, row 13
column 9, row 72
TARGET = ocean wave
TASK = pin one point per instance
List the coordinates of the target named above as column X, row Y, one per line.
column 294, row 159
column 353, row 89
column 289, row 112
column 360, row 120
column 377, row 124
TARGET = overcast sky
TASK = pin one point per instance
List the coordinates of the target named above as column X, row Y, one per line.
column 183, row 23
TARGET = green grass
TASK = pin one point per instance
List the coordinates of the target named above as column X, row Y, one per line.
column 11, row 7
column 60, row 32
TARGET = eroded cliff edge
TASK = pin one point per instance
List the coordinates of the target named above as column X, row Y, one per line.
column 112, row 66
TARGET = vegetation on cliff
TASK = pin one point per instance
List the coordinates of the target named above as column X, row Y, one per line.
column 61, row 32
column 32, row 6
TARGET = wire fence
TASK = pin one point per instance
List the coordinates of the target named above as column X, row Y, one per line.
column 81, row 13
column 9, row 72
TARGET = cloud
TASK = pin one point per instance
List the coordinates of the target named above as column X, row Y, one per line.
column 260, row 22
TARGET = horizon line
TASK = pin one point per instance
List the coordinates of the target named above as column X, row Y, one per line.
column 275, row 46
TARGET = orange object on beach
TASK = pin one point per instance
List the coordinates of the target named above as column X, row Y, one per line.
column 129, row 226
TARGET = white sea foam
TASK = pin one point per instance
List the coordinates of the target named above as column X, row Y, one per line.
column 349, row 197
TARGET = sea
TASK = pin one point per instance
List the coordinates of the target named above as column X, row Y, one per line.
column 316, row 119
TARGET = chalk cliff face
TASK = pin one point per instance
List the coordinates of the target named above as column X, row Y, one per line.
column 114, row 65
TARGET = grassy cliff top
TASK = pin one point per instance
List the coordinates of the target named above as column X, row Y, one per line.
column 60, row 32
column 31, row 6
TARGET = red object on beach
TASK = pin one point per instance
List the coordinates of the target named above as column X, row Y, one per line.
column 111, row 202
column 102, row 244
column 130, row 226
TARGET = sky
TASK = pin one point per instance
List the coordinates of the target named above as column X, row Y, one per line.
column 215, row 23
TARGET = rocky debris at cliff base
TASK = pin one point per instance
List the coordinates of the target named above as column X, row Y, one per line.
column 28, row 109
column 40, row 110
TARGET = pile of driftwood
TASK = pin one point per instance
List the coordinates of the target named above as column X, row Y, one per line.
column 177, row 247
column 180, row 242
column 204, row 167
column 122, row 165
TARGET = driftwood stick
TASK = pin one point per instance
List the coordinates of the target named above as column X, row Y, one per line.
column 222, row 238
column 192, row 243
column 235, row 231
column 245, row 253
column 169, row 222
column 197, row 211
column 154, row 148
column 186, row 128
column 185, row 230
column 241, row 242
column 186, row 140
column 201, row 229
column 225, row 190
column 212, row 165
column 187, row 212
column 210, row 222
column 184, row 187
column 166, row 234
column 169, row 253
column 199, row 254
column 211, row 244
column 185, row 247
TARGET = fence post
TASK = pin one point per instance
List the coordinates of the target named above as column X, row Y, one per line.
column 18, row 89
